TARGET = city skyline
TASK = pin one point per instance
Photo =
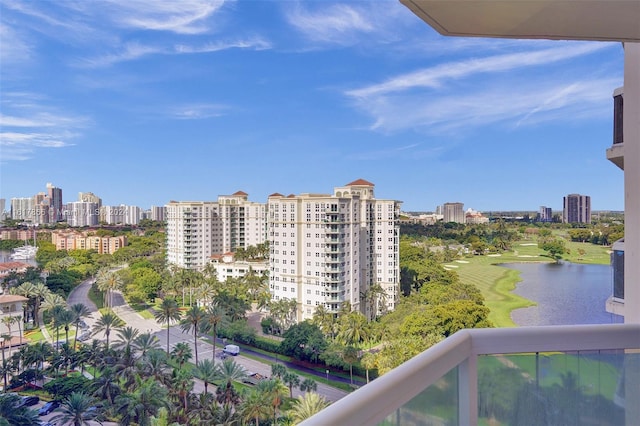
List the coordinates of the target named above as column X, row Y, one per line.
column 147, row 103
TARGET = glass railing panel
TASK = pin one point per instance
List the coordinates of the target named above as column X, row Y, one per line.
column 436, row 405
column 574, row 388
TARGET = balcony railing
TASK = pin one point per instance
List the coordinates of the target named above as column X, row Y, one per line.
column 583, row 374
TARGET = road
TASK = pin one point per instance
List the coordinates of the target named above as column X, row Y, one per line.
column 205, row 349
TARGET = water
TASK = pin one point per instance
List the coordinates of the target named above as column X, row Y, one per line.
column 5, row 256
column 565, row 293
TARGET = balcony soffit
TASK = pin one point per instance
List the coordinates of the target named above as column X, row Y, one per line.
column 597, row 20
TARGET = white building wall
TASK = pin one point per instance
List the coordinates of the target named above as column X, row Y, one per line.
column 81, row 213
column 189, row 233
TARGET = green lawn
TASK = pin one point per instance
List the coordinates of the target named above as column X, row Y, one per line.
column 496, row 283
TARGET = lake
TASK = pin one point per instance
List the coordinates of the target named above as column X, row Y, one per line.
column 566, row 293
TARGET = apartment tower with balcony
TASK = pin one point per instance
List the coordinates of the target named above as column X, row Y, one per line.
column 330, row 249
column 198, row 229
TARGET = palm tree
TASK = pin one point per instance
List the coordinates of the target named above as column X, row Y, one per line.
column 192, row 321
column 274, row 391
column 169, row 312
column 5, row 338
column 291, row 379
column 350, row 356
column 139, row 407
column 126, row 336
column 65, row 319
column 255, row 406
column 308, row 385
column 106, row 323
column 203, row 409
column 230, row 371
column 8, row 321
column 79, row 311
column 307, row 405
column 108, row 282
column 18, row 320
column 353, row 329
column 106, row 386
column 154, row 365
column 214, row 316
column 56, row 320
column 181, row 385
column 12, row 415
column 76, row 410
column 205, row 371
column 146, row 342
column 181, row 353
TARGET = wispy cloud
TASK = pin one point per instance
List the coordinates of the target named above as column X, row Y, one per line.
column 182, row 17
column 338, row 23
column 256, row 43
column 198, row 111
column 414, row 151
column 435, row 77
column 471, row 93
column 30, row 125
column 14, row 46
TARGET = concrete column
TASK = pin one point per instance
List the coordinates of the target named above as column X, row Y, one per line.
column 632, row 183
column 632, row 222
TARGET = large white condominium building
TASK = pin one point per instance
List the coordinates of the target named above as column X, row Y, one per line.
column 331, row 249
column 198, row 229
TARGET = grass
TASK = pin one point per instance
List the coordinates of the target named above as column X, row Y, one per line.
column 496, row 283
column 143, row 310
column 96, row 296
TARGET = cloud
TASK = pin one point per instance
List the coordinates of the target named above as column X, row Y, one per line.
column 198, row 111
column 15, row 48
column 337, row 23
column 478, row 92
column 435, row 77
column 29, row 125
column 181, row 17
column 255, row 43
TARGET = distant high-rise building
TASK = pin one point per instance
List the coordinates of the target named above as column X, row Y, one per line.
column 3, row 209
column 545, row 214
column 439, row 210
column 54, row 196
column 453, row 212
column 330, row 249
column 82, row 213
column 158, row 213
column 90, row 197
column 22, row 209
column 576, row 209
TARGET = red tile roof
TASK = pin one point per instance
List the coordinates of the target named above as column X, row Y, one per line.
column 360, row 182
column 10, row 298
column 276, row 194
column 240, row 193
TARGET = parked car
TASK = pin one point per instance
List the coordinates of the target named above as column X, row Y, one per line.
column 48, row 408
column 84, row 336
column 28, row 401
column 232, row 349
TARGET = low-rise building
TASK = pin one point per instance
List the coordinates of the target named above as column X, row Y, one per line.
column 74, row 240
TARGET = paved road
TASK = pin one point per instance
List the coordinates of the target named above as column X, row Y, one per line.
column 205, row 349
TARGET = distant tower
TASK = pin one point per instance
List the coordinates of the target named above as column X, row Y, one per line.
column 90, row 197
column 576, row 209
column 54, row 196
column 453, row 212
column 546, row 214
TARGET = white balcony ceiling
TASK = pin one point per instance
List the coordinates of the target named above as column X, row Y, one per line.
column 603, row 20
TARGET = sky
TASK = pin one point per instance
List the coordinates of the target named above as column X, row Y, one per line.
column 144, row 101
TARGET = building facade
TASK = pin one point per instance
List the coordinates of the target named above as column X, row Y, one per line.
column 453, row 212
column 327, row 250
column 74, row 240
column 22, row 208
column 158, row 213
column 545, row 214
column 196, row 230
column 576, row 209
column 82, row 213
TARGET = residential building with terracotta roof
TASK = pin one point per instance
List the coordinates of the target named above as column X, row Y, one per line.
column 74, row 240
column 329, row 249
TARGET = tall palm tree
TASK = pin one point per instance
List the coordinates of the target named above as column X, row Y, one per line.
column 353, row 329
column 55, row 312
column 19, row 322
column 306, row 406
column 274, row 391
column 5, row 338
column 182, row 385
column 75, row 410
column 66, row 319
column 106, row 387
column 191, row 322
column 108, row 282
column 205, row 371
column 255, row 406
column 292, row 380
column 230, row 371
column 181, row 353
column 79, row 311
column 169, row 312
column 214, row 316
column 106, row 323
column 350, row 356
column 308, row 385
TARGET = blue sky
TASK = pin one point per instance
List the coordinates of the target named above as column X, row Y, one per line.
column 142, row 102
